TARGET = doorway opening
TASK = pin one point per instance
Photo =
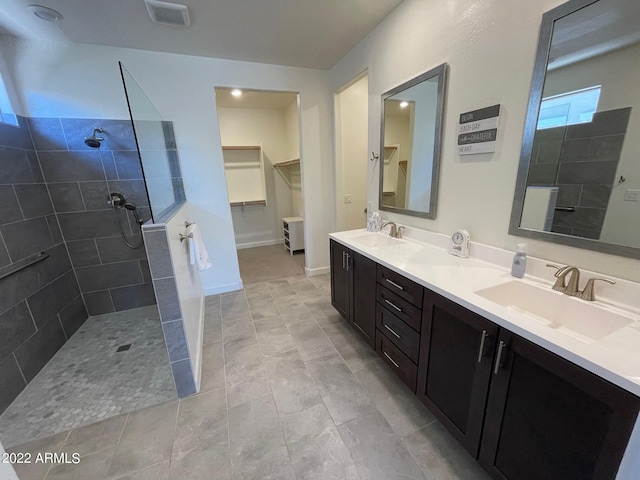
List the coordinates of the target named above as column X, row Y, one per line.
column 260, row 135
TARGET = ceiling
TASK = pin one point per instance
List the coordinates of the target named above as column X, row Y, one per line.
column 255, row 99
column 301, row 33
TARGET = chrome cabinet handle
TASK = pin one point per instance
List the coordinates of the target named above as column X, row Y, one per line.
column 501, row 347
column 393, row 283
column 392, row 305
column 348, row 258
column 343, row 257
column 391, row 330
column 482, row 340
column 391, row 360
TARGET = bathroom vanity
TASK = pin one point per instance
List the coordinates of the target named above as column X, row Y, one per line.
column 529, row 397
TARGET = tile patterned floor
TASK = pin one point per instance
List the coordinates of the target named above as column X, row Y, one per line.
column 288, row 392
column 88, row 380
column 260, row 264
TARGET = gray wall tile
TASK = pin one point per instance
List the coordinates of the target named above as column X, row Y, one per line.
column 593, row 173
column 16, row 136
column 128, row 164
column 144, row 268
column 11, row 382
column 133, row 296
column 575, row 150
column 72, row 166
column 183, row 376
column 27, row 237
column 83, row 253
column 66, row 197
column 34, row 164
column 34, row 200
column 167, row 298
column 109, row 165
column 4, row 255
column 158, row 253
column 38, row 350
column 15, row 166
column 113, row 249
column 47, row 133
column 85, row 225
column 542, row 174
column 101, row 277
column 16, row 326
column 95, row 195
column 176, row 340
column 118, row 134
column 606, row 149
column 569, row 195
column 98, row 303
column 54, row 228
column 48, row 301
column 9, row 207
column 548, row 152
column 73, row 316
column 595, row 196
column 133, row 190
column 582, row 218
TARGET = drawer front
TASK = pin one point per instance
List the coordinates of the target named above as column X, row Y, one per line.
column 404, row 310
column 410, row 291
column 398, row 361
column 401, row 335
column 285, row 225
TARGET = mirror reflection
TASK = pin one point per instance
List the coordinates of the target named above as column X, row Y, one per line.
column 580, row 154
column 410, row 150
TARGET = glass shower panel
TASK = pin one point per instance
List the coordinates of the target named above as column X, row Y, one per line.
column 156, row 147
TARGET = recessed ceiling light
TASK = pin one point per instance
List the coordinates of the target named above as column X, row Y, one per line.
column 45, row 13
column 236, row 92
column 404, row 104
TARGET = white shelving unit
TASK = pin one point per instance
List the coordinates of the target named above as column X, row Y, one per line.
column 293, row 232
column 244, row 169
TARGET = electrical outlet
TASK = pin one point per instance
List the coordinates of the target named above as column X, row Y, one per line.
column 632, row 195
column 347, row 198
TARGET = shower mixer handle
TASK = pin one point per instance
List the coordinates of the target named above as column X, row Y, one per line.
column 116, row 200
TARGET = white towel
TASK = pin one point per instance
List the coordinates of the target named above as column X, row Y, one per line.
column 197, row 251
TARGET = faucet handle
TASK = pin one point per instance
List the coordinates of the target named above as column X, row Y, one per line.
column 587, row 293
column 399, row 231
column 560, row 284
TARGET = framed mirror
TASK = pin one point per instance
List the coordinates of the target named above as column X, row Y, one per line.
column 411, row 134
column 579, row 178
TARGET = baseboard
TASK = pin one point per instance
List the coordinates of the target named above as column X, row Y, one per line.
column 232, row 287
column 264, row 243
column 312, row 272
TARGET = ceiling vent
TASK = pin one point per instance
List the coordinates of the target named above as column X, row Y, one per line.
column 168, row 13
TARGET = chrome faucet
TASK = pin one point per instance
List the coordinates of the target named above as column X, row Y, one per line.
column 393, row 231
column 587, row 293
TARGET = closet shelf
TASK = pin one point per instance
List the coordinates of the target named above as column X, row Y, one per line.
column 295, row 161
column 251, row 202
column 241, row 147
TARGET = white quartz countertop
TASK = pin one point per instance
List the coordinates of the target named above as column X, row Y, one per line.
column 615, row 357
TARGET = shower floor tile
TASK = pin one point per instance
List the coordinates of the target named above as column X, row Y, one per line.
column 90, row 380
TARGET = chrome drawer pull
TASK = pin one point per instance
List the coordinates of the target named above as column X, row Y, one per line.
column 393, row 283
column 387, row 327
column 343, row 257
column 501, row 347
column 348, row 260
column 481, row 351
column 391, row 360
column 394, row 306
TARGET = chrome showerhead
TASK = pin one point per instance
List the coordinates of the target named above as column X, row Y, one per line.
column 93, row 141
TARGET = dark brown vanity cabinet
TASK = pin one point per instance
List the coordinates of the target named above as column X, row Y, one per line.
column 548, row 418
column 399, row 321
column 457, row 349
column 353, row 287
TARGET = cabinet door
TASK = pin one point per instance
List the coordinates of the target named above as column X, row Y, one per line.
column 340, row 284
column 456, row 353
column 548, row 418
column 363, row 306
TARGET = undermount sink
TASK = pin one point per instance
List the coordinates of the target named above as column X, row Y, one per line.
column 376, row 240
column 577, row 318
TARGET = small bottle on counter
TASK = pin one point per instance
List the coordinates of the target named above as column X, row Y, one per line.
column 519, row 261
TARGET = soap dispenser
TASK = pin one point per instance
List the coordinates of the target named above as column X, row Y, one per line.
column 519, row 261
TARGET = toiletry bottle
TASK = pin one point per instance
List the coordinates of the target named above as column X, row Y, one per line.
column 519, row 261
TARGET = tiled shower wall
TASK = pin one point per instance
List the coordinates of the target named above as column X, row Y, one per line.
column 40, row 305
column 111, row 276
column 582, row 161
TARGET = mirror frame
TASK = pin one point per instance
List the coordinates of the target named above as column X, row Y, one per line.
column 533, row 110
column 441, row 72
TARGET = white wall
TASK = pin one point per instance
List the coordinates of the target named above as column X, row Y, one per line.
column 619, row 74
column 351, row 154
column 6, row 470
column 71, row 80
column 490, row 48
column 292, row 129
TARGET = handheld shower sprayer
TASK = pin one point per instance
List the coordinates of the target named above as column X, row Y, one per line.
column 93, row 141
column 117, row 201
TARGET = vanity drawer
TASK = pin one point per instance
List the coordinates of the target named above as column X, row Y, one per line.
column 402, row 309
column 410, row 291
column 401, row 335
column 398, row 361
